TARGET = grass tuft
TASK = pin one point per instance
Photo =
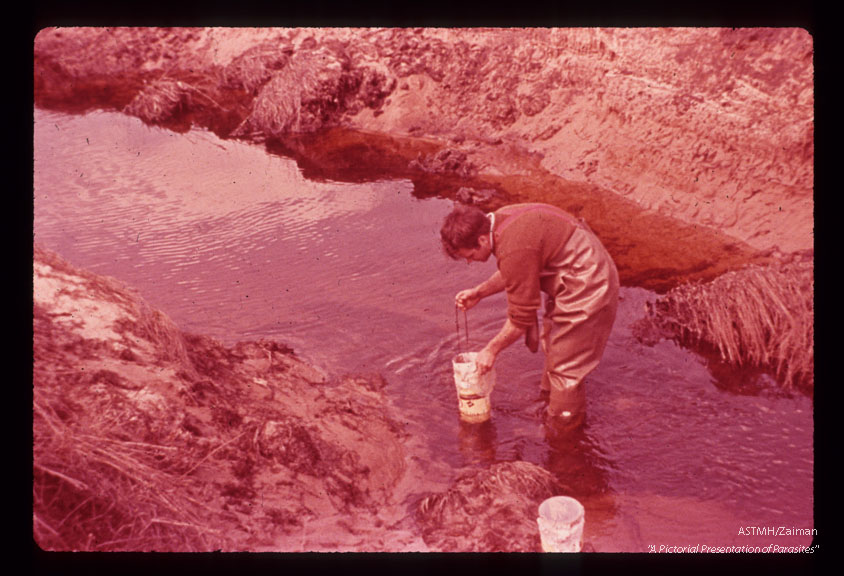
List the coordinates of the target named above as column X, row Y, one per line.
column 93, row 491
column 759, row 316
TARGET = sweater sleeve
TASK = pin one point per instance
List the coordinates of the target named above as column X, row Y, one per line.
column 520, row 270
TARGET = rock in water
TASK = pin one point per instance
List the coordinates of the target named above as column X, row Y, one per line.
column 491, row 510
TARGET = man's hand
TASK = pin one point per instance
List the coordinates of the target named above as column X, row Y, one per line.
column 509, row 333
column 467, row 299
column 485, row 360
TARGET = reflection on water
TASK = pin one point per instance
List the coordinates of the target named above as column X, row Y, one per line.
column 233, row 242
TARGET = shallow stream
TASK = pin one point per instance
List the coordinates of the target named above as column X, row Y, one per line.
column 233, row 242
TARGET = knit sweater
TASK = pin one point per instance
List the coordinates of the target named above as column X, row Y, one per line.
column 526, row 238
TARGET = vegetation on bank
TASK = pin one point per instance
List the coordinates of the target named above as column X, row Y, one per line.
column 760, row 316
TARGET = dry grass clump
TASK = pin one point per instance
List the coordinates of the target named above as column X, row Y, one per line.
column 282, row 104
column 164, row 99
column 252, row 69
column 93, row 491
column 758, row 316
column 489, row 510
column 307, row 91
column 159, row 101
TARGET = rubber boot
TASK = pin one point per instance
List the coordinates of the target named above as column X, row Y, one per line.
column 566, row 407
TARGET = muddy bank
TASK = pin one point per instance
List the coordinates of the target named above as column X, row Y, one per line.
column 146, row 438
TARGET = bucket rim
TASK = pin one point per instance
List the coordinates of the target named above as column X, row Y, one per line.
column 464, row 358
column 571, row 504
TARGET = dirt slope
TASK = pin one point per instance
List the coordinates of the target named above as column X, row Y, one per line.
column 146, row 438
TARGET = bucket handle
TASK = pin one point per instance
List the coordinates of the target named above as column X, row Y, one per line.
column 457, row 326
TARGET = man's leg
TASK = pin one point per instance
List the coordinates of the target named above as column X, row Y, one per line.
column 574, row 349
column 567, row 402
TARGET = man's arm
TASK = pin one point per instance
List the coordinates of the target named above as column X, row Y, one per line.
column 493, row 285
column 509, row 333
column 467, row 299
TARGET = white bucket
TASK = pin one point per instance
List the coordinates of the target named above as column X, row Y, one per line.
column 473, row 388
column 560, row 523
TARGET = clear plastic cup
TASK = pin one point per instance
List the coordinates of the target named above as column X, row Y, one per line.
column 560, row 521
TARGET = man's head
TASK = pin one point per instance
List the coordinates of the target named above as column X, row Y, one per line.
column 465, row 234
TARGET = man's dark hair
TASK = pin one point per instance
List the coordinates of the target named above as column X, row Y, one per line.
column 462, row 228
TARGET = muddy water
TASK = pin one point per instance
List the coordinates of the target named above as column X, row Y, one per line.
column 235, row 243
